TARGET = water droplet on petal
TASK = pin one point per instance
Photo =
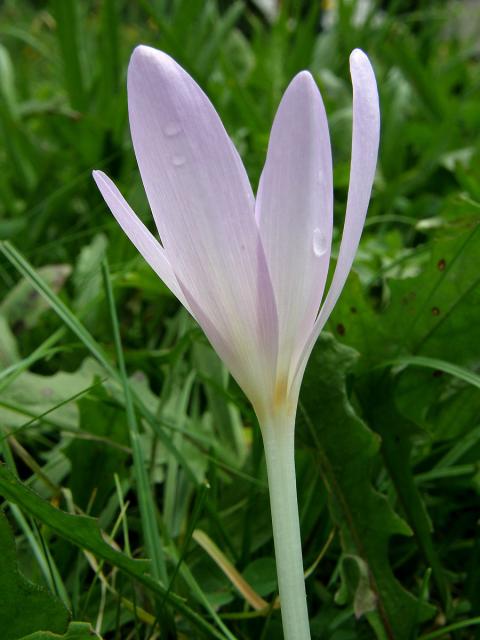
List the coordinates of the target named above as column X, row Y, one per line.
column 178, row 161
column 320, row 244
column 172, row 129
column 320, row 177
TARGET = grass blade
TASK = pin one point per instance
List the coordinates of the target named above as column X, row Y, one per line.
column 74, row 324
column 153, row 542
column 439, row 365
column 68, row 32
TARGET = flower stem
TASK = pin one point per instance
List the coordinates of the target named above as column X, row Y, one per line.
column 278, row 439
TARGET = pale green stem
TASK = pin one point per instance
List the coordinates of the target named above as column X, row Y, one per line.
column 278, row 439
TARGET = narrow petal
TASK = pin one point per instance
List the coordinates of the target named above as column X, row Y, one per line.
column 294, row 212
column 138, row 233
column 203, row 207
column 365, row 139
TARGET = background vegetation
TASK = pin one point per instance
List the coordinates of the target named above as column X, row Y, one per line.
column 113, row 405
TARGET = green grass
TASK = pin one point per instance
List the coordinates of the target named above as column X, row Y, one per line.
column 113, row 407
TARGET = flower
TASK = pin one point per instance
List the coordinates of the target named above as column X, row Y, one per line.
column 252, row 272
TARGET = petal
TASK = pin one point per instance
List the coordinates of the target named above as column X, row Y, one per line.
column 203, row 207
column 151, row 249
column 294, row 212
column 365, row 139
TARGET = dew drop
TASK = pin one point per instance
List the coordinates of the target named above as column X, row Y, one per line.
column 178, row 161
column 172, row 129
column 320, row 244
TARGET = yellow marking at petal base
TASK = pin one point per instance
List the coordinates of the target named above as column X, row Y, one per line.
column 280, row 393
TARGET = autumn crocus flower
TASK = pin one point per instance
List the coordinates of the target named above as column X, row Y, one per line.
column 251, row 271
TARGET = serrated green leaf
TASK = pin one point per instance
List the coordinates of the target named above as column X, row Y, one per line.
column 347, row 451
column 432, row 314
column 32, row 394
column 379, row 406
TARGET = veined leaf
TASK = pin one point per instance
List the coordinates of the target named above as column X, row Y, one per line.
column 347, row 451
column 395, row 430
column 432, row 314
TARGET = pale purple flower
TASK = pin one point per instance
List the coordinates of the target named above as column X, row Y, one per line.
column 252, row 272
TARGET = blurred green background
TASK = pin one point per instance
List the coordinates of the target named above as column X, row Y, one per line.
column 165, row 451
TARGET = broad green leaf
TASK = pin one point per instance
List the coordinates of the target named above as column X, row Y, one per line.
column 441, row 397
column 262, row 575
column 18, row 366
column 428, row 319
column 379, row 406
column 443, row 407
column 24, row 607
column 23, row 306
column 432, row 313
column 347, row 452
column 32, row 394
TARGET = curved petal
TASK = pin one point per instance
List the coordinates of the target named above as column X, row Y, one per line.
column 147, row 245
column 203, row 207
column 294, row 213
column 365, row 139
